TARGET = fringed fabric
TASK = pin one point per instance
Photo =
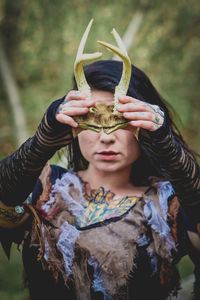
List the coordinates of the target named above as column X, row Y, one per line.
column 66, row 244
column 110, row 249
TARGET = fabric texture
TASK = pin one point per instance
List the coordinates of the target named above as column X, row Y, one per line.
column 20, row 171
column 176, row 164
column 109, row 248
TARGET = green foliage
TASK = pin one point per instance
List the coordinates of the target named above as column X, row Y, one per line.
column 11, row 283
column 185, row 267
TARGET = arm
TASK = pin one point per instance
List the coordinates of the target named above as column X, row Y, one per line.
column 166, row 151
column 176, row 164
column 19, row 171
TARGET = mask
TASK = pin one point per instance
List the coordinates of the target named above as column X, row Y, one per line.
column 102, row 116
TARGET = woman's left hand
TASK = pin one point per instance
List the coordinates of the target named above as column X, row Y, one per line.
column 141, row 114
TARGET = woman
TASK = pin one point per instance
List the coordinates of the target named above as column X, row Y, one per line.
column 111, row 226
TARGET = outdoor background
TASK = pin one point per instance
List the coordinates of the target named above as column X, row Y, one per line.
column 38, row 44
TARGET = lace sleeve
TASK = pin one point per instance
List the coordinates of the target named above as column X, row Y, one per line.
column 19, row 171
column 176, row 164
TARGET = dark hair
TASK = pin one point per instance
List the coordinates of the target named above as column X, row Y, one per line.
column 105, row 75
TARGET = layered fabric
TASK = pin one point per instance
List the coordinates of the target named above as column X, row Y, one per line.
column 95, row 239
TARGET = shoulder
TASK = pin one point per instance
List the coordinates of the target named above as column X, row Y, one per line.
column 47, row 178
column 161, row 206
column 162, row 190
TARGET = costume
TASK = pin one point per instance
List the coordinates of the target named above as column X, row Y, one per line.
column 97, row 244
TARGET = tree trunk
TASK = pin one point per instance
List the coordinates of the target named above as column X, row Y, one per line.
column 131, row 31
column 13, row 97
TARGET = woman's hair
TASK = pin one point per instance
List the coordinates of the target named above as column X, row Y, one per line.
column 105, row 75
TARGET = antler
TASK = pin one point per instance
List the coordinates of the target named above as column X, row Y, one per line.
column 80, row 59
column 122, row 88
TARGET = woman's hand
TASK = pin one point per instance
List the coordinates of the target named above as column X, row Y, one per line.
column 141, row 114
column 75, row 104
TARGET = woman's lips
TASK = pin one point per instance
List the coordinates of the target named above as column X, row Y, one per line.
column 107, row 155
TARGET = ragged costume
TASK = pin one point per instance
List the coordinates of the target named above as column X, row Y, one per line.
column 86, row 244
column 97, row 243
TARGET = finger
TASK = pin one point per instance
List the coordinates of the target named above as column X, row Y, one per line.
column 157, row 110
column 127, row 102
column 79, row 103
column 139, row 106
column 66, row 120
column 128, row 99
column 151, row 126
column 73, row 111
column 144, row 116
column 67, row 106
column 74, row 94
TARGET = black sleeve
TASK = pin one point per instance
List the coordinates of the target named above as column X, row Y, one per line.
column 19, row 171
column 175, row 163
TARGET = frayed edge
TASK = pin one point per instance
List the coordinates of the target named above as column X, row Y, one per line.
column 66, row 245
column 98, row 284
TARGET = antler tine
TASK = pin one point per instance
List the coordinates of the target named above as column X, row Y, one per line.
column 122, row 88
column 79, row 61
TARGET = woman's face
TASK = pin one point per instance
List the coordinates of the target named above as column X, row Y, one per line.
column 112, row 152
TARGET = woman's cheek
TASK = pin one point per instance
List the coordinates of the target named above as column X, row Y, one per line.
column 133, row 148
column 87, row 142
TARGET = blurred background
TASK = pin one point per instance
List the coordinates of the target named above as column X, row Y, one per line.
column 38, row 44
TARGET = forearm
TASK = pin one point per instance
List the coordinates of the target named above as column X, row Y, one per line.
column 175, row 163
column 19, row 171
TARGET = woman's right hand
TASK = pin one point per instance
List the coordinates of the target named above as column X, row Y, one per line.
column 75, row 104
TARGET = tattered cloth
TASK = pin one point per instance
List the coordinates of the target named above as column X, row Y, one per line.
column 84, row 231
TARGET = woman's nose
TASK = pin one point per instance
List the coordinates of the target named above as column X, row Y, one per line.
column 106, row 138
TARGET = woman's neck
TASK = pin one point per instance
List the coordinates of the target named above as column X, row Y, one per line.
column 116, row 182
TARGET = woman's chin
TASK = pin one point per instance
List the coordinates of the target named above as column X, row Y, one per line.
column 109, row 167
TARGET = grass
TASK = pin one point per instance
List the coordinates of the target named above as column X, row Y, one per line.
column 11, row 277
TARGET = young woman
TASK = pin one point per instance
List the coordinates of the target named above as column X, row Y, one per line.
column 110, row 226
